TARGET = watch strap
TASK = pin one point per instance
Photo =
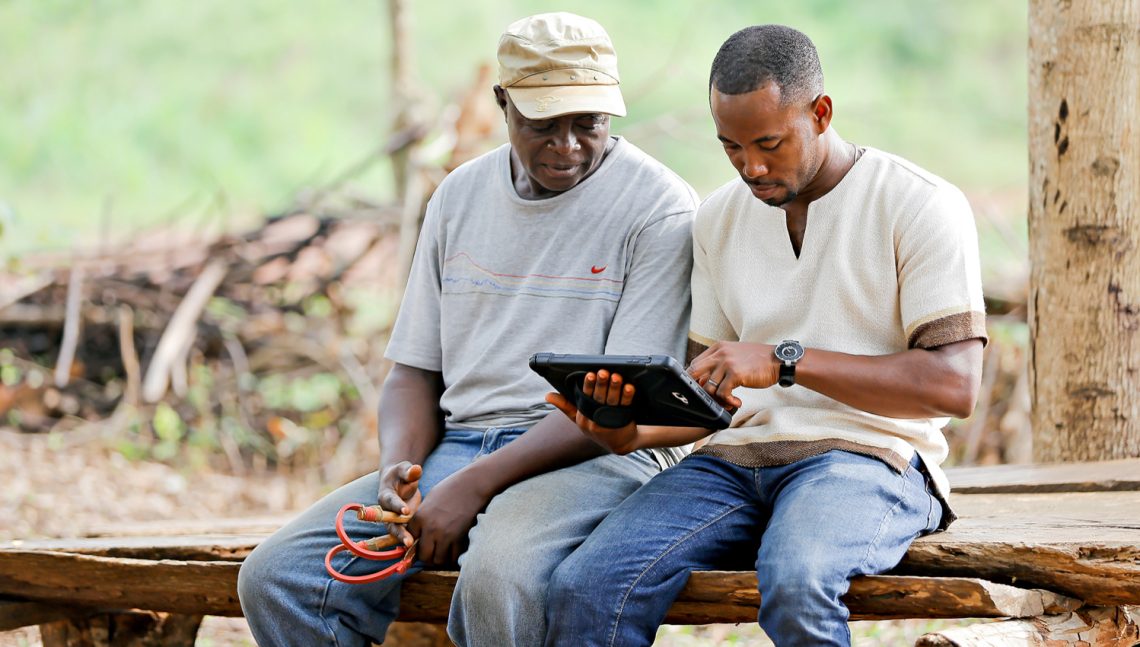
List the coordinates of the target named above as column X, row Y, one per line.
column 787, row 373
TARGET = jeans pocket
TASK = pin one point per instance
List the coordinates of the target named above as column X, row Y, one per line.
column 496, row 438
column 934, row 504
column 921, row 494
column 935, row 518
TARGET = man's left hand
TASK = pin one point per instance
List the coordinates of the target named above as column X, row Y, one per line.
column 443, row 519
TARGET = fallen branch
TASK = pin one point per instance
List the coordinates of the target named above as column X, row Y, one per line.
column 71, row 326
column 179, row 334
column 129, row 355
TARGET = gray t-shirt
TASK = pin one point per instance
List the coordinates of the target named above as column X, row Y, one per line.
column 601, row 268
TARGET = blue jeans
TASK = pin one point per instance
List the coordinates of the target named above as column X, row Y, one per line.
column 515, row 545
column 812, row 526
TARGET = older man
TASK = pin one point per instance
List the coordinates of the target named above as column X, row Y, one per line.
column 567, row 239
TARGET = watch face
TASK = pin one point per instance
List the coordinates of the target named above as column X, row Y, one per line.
column 789, row 351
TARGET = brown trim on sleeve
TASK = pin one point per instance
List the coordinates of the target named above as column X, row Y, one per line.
column 701, row 339
column 950, row 329
column 693, row 349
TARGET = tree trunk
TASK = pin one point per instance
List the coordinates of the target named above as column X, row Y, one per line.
column 1084, row 228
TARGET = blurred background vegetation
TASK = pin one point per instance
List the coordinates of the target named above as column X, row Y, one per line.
column 121, row 117
column 122, row 114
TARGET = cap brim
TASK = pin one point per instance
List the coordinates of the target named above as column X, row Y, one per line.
column 546, row 102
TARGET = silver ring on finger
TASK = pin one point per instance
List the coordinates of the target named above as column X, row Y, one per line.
column 714, row 383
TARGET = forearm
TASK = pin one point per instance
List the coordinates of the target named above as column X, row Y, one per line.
column 915, row 383
column 554, row 442
column 410, row 421
column 649, row 437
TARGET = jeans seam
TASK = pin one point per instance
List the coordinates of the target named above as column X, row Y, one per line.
column 875, row 540
column 629, row 590
column 324, row 603
column 884, row 521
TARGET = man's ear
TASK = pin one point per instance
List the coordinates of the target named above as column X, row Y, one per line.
column 501, row 98
column 821, row 112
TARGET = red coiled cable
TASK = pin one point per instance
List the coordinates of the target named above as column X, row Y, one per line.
column 369, row 548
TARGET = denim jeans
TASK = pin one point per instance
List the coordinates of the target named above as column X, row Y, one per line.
column 520, row 538
column 811, row 525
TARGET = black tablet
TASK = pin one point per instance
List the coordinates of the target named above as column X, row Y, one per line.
column 666, row 395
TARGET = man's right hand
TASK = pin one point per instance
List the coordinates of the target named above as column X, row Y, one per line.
column 400, row 493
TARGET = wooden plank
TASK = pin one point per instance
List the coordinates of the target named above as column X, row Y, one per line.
column 1058, row 519
column 1098, row 476
column 184, row 587
column 1051, row 519
column 1082, row 544
column 1088, row 627
column 20, row 613
column 1085, row 545
column 252, row 525
column 210, row 587
column 730, row 597
column 177, row 547
column 719, row 596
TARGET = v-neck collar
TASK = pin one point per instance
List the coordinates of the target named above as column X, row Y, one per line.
column 822, row 203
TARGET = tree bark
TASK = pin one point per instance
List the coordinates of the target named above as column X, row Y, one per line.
column 1088, row 627
column 1084, row 228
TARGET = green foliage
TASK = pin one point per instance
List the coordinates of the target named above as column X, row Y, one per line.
column 227, row 314
column 10, row 374
column 306, row 394
column 123, row 114
column 169, row 429
column 168, row 425
column 317, row 305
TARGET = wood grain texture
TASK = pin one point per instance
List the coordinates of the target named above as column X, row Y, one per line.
column 1084, row 229
column 1093, row 476
column 198, row 587
column 1089, row 627
column 733, row 597
column 1084, row 545
column 19, row 613
column 211, row 588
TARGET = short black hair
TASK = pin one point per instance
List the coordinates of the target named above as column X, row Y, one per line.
column 755, row 56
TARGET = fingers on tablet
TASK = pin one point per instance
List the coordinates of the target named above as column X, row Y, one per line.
column 608, row 388
column 613, row 394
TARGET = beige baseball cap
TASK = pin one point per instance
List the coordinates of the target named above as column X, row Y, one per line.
column 554, row 64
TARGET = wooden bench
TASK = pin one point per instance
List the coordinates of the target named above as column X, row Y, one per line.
column 1054, row 549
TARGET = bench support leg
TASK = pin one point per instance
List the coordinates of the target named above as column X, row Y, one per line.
column 1087, row 627
column 126, row 629
column 417, row 634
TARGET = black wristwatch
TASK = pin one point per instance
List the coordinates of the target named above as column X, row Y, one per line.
column 788, row 352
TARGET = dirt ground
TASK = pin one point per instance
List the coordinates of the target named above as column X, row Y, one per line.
column 54, row 487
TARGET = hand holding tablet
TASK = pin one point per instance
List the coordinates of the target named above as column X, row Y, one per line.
column 653, row 390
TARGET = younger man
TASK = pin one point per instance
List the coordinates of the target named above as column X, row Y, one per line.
column 850, row 278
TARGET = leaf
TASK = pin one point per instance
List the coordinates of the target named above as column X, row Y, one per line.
column 168, row 425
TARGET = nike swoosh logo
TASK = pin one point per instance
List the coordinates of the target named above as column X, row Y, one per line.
column 597, row 270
